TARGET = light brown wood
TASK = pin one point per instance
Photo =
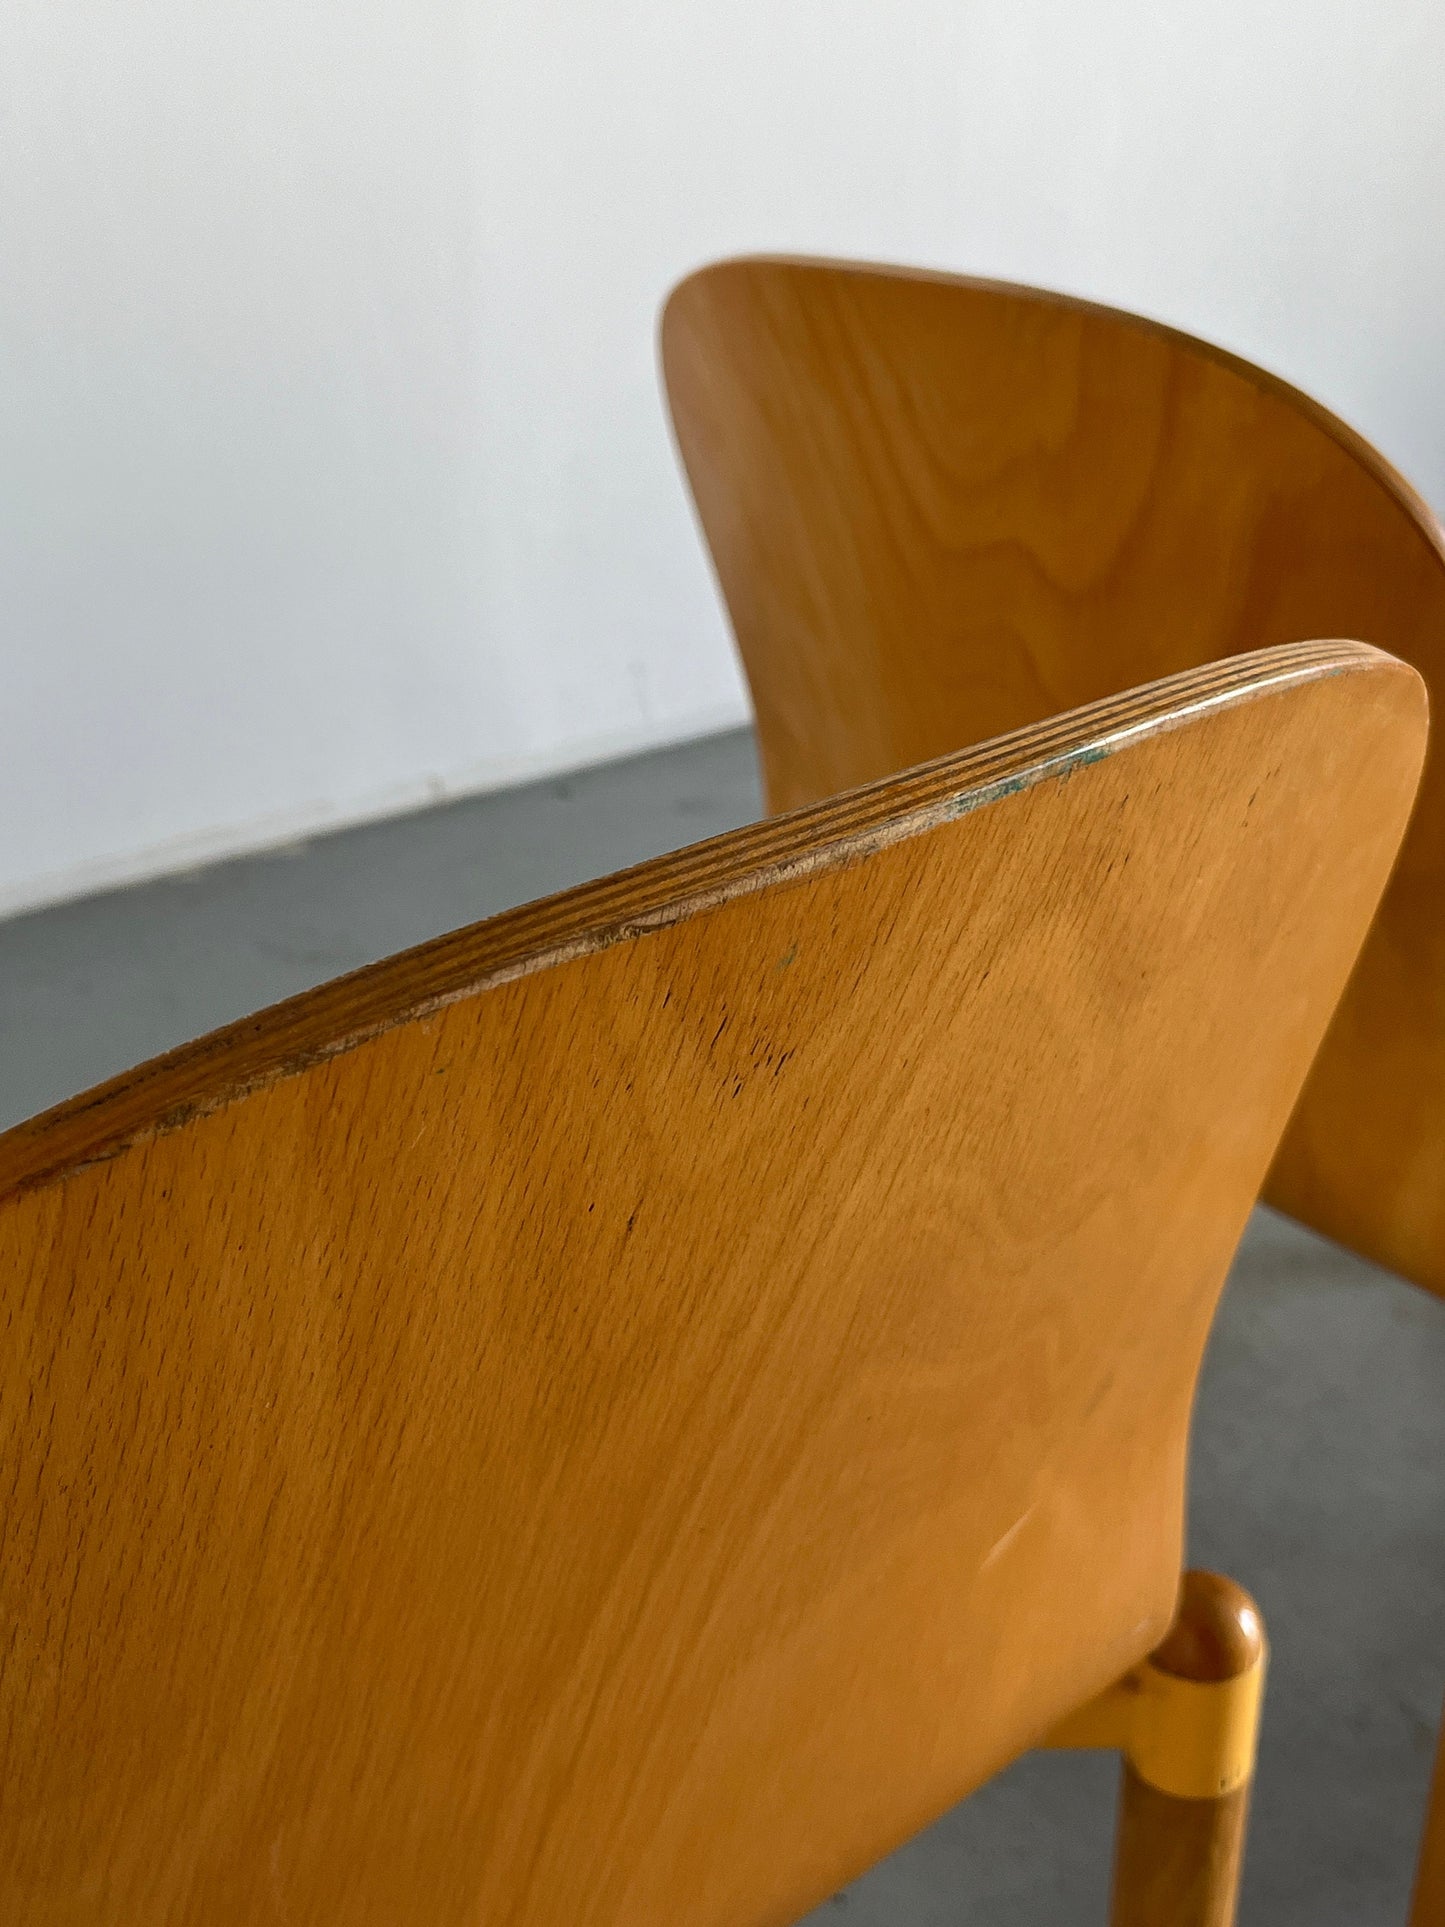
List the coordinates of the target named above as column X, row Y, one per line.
column 623, row 1414
column 1186, row 1718
column 1178, row 1859
column 1176, row 1862
column 942, row 508
column 1186, row 1721
column 1217, row 1636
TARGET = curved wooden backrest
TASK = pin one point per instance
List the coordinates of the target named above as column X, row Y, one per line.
column 941, row 508
column 622, row 1414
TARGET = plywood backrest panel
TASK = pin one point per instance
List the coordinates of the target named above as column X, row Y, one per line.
column 940, row 509
column 622, row 1415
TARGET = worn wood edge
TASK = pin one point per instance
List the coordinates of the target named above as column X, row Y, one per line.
column 1349, row 439
column 287, row 1038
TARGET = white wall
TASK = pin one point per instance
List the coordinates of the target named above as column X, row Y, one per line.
column 333, row 474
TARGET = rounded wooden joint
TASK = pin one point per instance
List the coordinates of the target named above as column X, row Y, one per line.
column 1217, row 1632
column 1195, row 1722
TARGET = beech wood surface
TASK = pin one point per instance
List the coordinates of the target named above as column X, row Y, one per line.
column 942, row 508
column 625, row 1413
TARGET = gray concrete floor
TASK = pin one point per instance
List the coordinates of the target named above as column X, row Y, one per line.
column 1319, row 1448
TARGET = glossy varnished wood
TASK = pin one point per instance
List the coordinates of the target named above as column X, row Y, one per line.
column 942, row 508
column 625, row 1413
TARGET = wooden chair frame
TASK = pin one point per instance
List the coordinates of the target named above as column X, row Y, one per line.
column 939, row 507
column 628, row 1411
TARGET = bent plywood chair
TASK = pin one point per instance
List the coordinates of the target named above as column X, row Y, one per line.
column 626, row 1412
column 940, row 508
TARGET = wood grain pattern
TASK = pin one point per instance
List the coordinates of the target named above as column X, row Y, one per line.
column 943, row 508
column 1177, row 1862
column 625, row 1413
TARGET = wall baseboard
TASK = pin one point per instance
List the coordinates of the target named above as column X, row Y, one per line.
column 219, row 843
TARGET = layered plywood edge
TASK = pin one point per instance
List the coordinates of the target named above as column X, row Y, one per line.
column 285, row 1039
column 628, row 1411
column 941, row 507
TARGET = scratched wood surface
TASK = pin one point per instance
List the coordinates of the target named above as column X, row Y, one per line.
column 943, row 508
column 623, row 1414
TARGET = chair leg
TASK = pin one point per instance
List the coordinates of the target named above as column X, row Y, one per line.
column 1187, row 1769
column 1428, row 1909
column 1186, row 1721
column 1176, row 1861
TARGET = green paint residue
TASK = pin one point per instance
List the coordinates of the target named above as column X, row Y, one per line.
column 1058, row 772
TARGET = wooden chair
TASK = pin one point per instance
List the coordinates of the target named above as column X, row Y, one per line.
column 942, row 508
column 622, row 1414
